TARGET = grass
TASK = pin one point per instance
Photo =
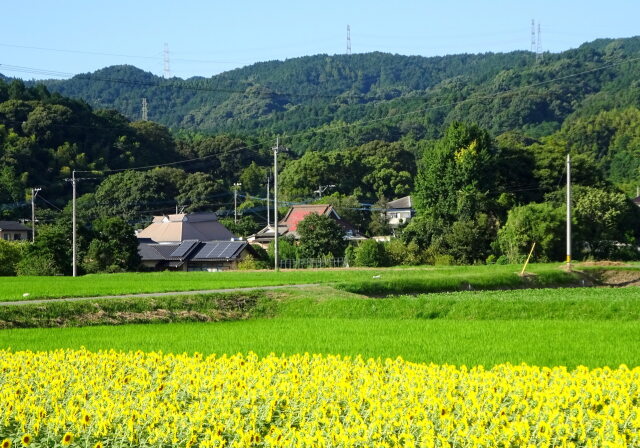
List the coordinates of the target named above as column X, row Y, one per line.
column 327, row 302
column 536, row 342
column 621, row 304
column 575, row 326
column 167, row 309
column 390, row 281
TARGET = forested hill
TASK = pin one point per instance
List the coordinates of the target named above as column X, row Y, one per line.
column 500, row 92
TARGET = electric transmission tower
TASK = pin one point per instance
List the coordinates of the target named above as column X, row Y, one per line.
column 348, row 39
column 533, row 36
column 539, row 46
column 145, row 110
column 167, row 68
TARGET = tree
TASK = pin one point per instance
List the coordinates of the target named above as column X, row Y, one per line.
column 320, row 235
column 542, row 223
column 455, row 183
column 469, row 240
column 455, row 172
column 156, row 143
column 253, row 178
column 370, row 253
column 287, row 249
column 605, row 220
column 198, row 191
column 127, row 194
column 51, row 253
column 245, row 226
column 113, row 248
column 10, row 256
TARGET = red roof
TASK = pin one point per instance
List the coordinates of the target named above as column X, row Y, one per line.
column 298, row 212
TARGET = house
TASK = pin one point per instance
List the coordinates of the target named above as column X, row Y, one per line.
column 399, row 212
column 14, row 231
column 194, row 255
column 288, row 226
column 182, row 226
column 190, row 242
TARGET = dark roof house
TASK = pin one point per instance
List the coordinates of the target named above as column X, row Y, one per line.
column 14, row 231
column 190, row 242
column 181, row 227
column 194, row 255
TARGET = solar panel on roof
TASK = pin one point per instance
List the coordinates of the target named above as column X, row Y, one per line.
column 211, row 249
column 184, row 248
column 219, row 249
column 229, row 250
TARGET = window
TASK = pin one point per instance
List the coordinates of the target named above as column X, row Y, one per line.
column 6, row 236
column 17, row 236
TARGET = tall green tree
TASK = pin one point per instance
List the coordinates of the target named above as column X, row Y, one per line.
column 456, row 181
column 113, row 247
column 320, row 235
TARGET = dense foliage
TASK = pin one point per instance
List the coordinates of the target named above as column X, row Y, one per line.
column 314, row 97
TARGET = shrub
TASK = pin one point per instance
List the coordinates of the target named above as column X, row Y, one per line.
column 10, row 256
column 371, row 253
column 38, row 264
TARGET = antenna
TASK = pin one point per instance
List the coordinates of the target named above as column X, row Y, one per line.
column 533, row 36
column 167, row 69
column 348, row 39
column 145, row 110
column 539, row 46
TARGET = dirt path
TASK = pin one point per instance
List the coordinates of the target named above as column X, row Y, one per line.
column 156, row 294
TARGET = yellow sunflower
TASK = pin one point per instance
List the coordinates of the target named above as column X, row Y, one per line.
column 98, row 445
column 6, row 443
column 26, row 439
column 67, row 439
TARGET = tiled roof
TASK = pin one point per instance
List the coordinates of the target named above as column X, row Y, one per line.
column 298, row 212
column 12, row 225
column 404, row 202
column 288, row 226
column 182, row 227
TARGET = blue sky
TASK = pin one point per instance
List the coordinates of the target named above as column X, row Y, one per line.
column 208, row 37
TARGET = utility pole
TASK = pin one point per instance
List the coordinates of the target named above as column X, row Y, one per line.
column 348, row 39
column 74, row 184
column 235, row 202
column 73, row 223
column 34, row 193
column 569, row 211
column 268, row 201
column 276, row 149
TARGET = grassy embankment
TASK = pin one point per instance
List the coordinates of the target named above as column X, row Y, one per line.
column 390, row 281
column 593, row 327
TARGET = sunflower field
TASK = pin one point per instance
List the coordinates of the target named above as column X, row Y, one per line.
column 79, row 398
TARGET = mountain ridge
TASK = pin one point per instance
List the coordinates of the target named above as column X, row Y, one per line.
column 499, row 91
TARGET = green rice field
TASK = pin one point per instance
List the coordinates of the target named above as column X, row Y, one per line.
column 570, row 327
column 366, row 281
column 489, row 342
